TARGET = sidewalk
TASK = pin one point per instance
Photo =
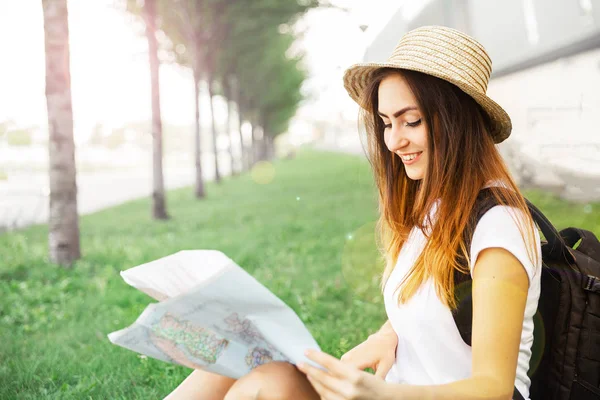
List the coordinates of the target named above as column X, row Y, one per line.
column 24, row 196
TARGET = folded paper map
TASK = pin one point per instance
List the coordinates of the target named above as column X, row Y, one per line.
column 211, row 315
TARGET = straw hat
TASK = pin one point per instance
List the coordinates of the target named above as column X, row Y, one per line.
column 444, row 53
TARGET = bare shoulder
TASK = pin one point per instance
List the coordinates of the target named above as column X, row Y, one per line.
column 499, row 264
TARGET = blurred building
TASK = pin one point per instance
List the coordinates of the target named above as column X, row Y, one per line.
column 517, row 34
column 546, row 74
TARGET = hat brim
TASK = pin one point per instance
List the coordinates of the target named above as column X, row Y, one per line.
column 358, row 76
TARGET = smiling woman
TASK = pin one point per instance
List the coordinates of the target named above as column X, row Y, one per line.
column 431, row 131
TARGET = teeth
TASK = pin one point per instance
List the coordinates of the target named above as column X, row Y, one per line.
column 409, row 157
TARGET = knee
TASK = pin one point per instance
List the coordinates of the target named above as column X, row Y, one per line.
column 272, row 381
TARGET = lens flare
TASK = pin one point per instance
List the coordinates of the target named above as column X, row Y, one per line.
column 263, row 172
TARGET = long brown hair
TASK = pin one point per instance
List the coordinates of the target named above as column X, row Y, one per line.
column 462, row 159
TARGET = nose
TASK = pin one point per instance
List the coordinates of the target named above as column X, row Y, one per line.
column 395, row 140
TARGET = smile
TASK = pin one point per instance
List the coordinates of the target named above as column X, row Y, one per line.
column 408, row 159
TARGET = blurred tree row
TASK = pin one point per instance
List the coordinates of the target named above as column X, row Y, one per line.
column 235, row 48
column 239, row 49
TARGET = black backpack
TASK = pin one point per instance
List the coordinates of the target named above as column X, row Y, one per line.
column 565, row 360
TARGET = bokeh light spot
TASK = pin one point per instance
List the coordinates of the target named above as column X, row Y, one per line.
column 263, row 172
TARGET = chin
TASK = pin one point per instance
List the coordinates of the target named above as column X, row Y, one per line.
column 414, row 176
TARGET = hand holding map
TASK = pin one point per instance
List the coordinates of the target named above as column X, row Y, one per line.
column 211, row 315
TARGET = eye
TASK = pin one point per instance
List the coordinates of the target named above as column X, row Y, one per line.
column 387, row 126
column 413, row 124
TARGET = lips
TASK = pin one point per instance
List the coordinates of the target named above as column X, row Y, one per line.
column 413, row 160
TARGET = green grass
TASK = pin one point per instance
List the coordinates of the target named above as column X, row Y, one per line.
column 302, row 235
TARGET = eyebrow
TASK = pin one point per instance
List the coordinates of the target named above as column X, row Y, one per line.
column 398, row 113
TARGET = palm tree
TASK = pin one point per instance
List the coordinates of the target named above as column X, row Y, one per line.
column 184, row 24
column 158, row 187
column 229, row 99
column 211, row 94
column 63, row 220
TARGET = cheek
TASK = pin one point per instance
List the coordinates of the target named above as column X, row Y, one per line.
column 386, row 137
column 425, row 134
column 423, row 139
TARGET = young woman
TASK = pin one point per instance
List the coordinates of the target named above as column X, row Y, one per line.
column 431, row 133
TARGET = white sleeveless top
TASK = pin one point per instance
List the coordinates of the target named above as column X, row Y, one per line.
column 430, row 349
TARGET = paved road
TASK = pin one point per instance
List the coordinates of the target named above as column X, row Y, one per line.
column 24, row 201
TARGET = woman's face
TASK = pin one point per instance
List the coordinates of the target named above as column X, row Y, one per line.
column 405, row 131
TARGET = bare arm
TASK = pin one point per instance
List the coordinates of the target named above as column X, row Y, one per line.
column 386, row 328
column 500, row 286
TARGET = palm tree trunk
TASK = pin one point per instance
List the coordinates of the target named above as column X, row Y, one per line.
column 253, row 152
column 199, row 186
column 243, row 153
column 214, row 128
column 63, row 220
column 158, row 188
column 270, row 147
column 262, row 145
column 229, row 120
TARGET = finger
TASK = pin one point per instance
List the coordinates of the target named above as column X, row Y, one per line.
column 324, row 392
column 383, row 368
column 335, row 366
column 325, row 379
column 350, row 360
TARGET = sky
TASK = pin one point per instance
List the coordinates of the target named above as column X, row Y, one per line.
column 109, row 64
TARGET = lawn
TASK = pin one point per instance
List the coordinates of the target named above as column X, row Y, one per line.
column 306, row 235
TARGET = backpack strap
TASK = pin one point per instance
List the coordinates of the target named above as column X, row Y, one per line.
column 587, row 255
column 557, row 248
column 517, row 395
column 589, row 242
